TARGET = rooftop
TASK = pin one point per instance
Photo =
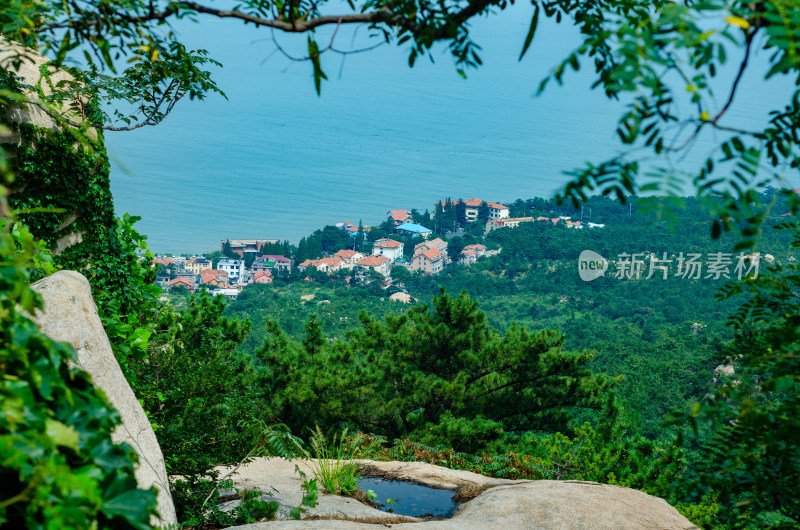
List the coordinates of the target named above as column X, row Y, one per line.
column 411, row 227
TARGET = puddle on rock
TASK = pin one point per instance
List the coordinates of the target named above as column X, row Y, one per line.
column 402, row 497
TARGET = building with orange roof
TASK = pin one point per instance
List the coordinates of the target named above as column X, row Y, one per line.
column 350, row 257
column 388, row 247
column 438, row 243
column 473, row 205
column 399, row 217
column 163, row 261
column 182, row 281
column 471, row 253
column 429, row 261
column 511, row 222
column 377, row 263
column 323, row 264
column 215, row 277
column 262, row 277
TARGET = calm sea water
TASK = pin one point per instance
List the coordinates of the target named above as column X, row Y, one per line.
column 275, row 161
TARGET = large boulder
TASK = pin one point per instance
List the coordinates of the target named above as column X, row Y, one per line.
column 70, row 315
column 495, row 503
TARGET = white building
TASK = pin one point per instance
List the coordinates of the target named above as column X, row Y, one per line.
column 497, row 211
column 234, row 267
column 388, row 247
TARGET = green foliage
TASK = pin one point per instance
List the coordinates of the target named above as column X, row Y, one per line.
column 438, row 373
column 251, row 509
column 310, row 497
column 336, row 468
column 200, row 394
column 752, row 462
column 58, row 465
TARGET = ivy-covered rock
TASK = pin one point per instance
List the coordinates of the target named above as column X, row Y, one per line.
column 59, row 467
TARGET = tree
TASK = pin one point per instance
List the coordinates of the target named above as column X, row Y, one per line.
column 483, row 213
column 752, row 462
column 227, row 250
column 461, row 212
column 439, row 374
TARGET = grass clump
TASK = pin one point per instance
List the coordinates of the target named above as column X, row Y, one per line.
column 336, row 469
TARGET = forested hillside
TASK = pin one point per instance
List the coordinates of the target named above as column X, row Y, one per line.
column 662, row 336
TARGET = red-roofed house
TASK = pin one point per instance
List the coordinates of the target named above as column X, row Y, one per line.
column 471, row 253
column 512, row 222
column 214, row 277
column 438, row 243
column 388, row 247
column 324, row 264
column 377, row 263
column 429, row 261
column 497, row 211
column 182, row 281
column 350, row 257
column 163, row 261
column 262, row 277
column 399, row 217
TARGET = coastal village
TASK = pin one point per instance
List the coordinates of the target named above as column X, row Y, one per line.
column 228, row 275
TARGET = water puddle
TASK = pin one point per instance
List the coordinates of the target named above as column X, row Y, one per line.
column 402, row 497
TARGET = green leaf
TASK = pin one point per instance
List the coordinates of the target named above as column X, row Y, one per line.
column 531, row 32
column 61, row 434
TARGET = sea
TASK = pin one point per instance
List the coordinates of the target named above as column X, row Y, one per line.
column 272, row 160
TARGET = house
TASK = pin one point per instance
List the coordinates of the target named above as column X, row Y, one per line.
column 182, row 281
column 438, row 243
column 262, row 277
column 262, row 266
column 414, row 229
column 399, row 217
column 497, row 211
column 227, row 293
column 215, row 277
column 377, row 263
column 471, row 253
column 240, row 246
column 429, row 261
column 163, row 261
column 162, row 281
column 596, row 225
column 574, row 224
column 511, row 222
column 468, row 257
column 324, row 264
column 350, row 257
column 281, row 262
column 234, row 267
column 197, row 265
column 388, row 247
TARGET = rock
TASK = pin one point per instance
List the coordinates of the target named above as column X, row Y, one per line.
column 25, row 63
column 70, row 315
column 401, row 297
column 498, row 503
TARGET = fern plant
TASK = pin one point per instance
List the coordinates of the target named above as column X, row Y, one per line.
column 336, row 468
